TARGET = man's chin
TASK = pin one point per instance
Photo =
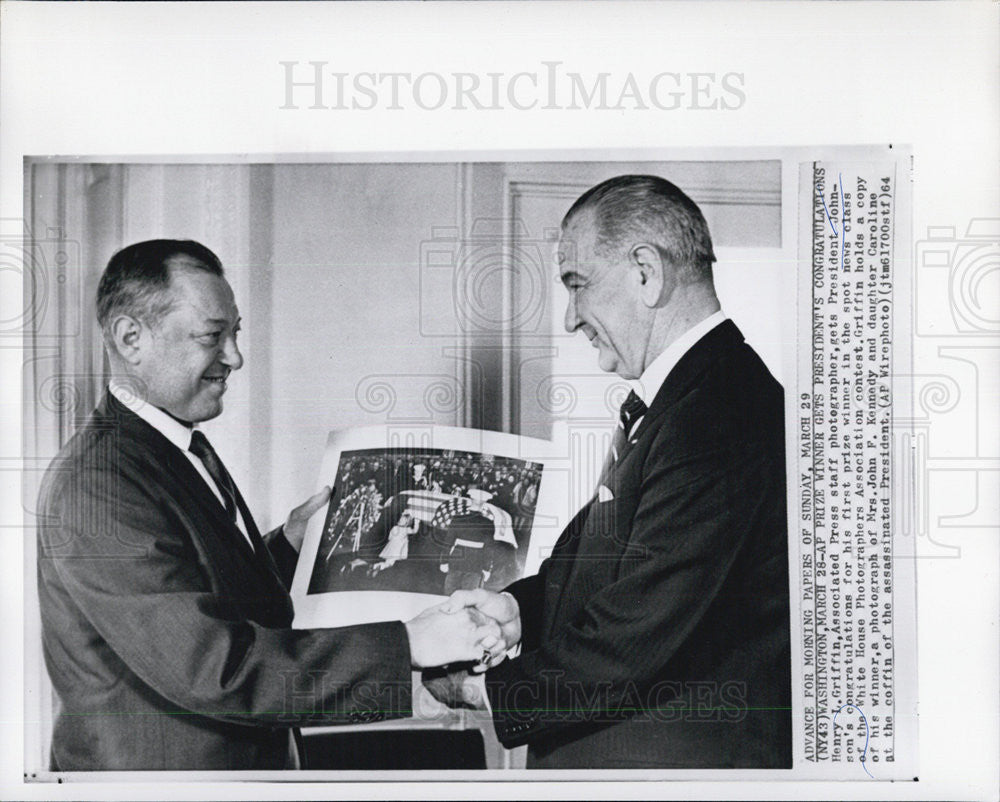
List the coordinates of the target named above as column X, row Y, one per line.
column 615, row 366
column 607, row 362
column 214, row 412
column 205, row 411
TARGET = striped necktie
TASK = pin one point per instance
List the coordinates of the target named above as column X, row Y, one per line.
column 633, row 409
column 629, row 415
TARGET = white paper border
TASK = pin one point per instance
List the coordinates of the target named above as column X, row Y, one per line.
column 924, row 73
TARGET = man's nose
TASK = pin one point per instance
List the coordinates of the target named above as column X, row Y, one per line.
column 571, row 320
column 231, row 356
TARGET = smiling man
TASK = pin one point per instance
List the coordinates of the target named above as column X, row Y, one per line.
column 165, row 614
column 657, row 633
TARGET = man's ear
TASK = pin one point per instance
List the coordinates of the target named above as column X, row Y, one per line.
column 656, row 278
column 127, row 338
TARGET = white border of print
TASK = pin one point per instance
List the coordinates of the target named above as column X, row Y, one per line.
column 198, row 79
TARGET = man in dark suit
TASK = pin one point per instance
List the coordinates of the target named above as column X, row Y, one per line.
column 657, row 633
column 471, row 552
column 165, row 614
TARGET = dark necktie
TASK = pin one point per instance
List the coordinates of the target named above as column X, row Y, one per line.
column 203, row 450
column 632, row 409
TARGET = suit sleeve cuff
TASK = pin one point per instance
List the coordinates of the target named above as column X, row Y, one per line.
column 283, row 553
column 527, row 594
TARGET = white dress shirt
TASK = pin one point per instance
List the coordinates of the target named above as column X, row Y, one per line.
column 178, row 434
column 649, row 384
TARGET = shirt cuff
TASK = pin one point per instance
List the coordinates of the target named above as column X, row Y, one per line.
column 479, row 680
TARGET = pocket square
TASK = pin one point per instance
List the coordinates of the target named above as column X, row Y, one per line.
column 604, row 494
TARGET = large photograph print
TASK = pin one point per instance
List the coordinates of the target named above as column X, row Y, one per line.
column 426, row 520
column 414, row 518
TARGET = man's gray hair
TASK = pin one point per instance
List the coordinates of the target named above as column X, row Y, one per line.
column 646, row 208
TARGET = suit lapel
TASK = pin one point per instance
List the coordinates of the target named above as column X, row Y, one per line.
column 685, row 375
column 260, row 550
column 225, row 534
column 691, row 367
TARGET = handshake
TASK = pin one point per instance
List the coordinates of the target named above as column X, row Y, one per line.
column 457, row 640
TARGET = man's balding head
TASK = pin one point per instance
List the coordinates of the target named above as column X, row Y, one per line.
column 136, row 281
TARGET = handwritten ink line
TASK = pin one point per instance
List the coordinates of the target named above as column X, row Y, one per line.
column 864, row 752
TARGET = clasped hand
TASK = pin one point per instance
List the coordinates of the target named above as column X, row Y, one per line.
column 473, row 626
column 458, row 639
column 498, row 617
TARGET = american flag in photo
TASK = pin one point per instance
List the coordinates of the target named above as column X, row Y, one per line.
column 424, row 504
column 438, row 509
column 451, row 508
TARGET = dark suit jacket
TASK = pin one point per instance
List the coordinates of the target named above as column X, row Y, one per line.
column 166, row 637
column 657, row 633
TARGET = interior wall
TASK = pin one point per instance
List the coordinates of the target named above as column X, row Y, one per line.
column 359, row 332
column 375, row 293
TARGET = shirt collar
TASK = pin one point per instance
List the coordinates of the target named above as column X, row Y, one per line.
column 175, row 431
column 648, row 385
